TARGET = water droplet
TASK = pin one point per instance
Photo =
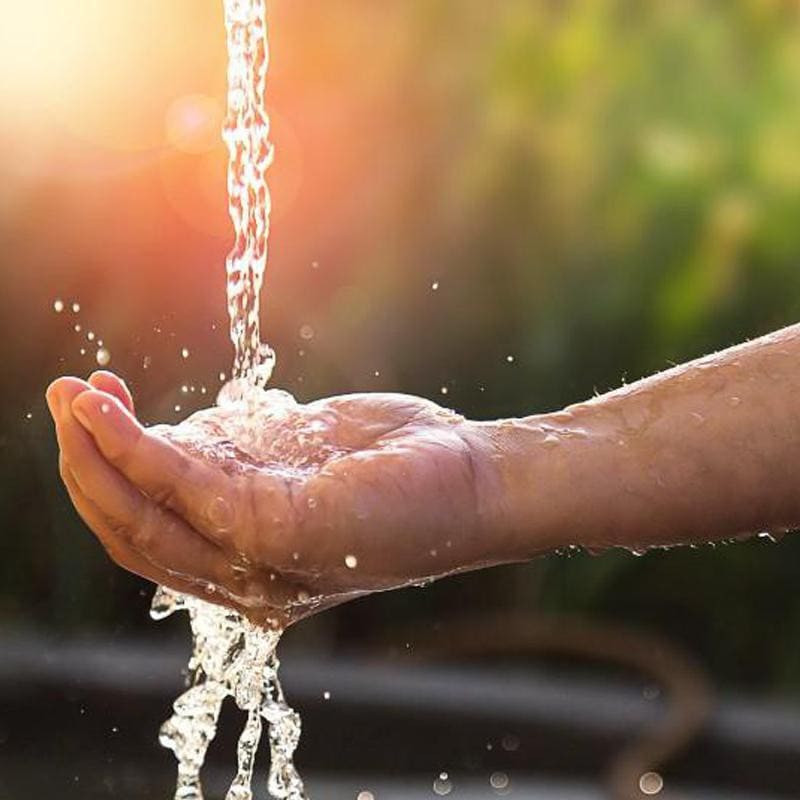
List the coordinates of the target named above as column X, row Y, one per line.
column 651, row 783
column 184, row 352
column 434, row 553
column 82, row 351
column 146, row 362
column 444, row 390
column 220, row 514
column 510, row 743
column 351, row 562
column 326, row 695
column 442, row 785
column 312, row 503
column 222, row 377
column 29, row 415
column 103, row 357
column 651, row 693
column 76, row 307
column 365, row 795
column 510, row 359
column 90, row 336
column 77, row 327
column 435, row 286
column 185, row 389
column 58, row 306
column 499, row 780
column 177, row 408
column 105, row 408
column 306, row 332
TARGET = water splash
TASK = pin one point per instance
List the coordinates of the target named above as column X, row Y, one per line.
column 231, row 657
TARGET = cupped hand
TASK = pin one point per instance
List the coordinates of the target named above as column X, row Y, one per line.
column 285, row 509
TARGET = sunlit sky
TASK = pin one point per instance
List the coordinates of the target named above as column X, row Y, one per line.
column 106, row 72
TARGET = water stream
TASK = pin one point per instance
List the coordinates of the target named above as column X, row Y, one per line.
column 230, row 656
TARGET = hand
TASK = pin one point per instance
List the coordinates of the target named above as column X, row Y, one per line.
column 336, row 499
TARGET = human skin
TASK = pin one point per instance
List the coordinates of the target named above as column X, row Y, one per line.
column 396, row 490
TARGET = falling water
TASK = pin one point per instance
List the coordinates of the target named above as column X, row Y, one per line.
column 230, row 656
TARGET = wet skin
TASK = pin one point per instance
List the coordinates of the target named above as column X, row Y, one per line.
column 396, row 490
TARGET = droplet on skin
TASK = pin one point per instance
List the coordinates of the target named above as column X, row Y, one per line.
column 103, row 357
column 58, row 306
column 350, row 561
column 306, row 332
column 177, row 408
column 90, row 336
column 510, row 359
column 185, row 389
column 220, row 514
column 29, row 415
column 77, row 328
column 76, row 307
column 326, row 695
column 444, row 390
column 184, row 352
column 435, row 286
column 105, row 408
column 365, row 795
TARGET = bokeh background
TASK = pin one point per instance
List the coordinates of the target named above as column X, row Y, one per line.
column 504, row 206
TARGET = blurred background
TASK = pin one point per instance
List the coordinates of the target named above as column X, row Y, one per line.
column 504, row 206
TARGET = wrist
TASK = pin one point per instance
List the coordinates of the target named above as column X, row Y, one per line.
column 546, row 467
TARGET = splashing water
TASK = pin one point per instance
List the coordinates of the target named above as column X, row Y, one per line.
column 230, row 656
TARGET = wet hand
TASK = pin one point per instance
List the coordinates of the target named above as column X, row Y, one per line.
column 336, row 499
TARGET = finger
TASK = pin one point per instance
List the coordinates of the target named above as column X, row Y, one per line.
column 274, row 611
column 61, row 392
column 198, row 492
column 116, row 547
column 112, row 384
column 158, row 535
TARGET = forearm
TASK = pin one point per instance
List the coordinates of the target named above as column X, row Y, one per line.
column 706, row 451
